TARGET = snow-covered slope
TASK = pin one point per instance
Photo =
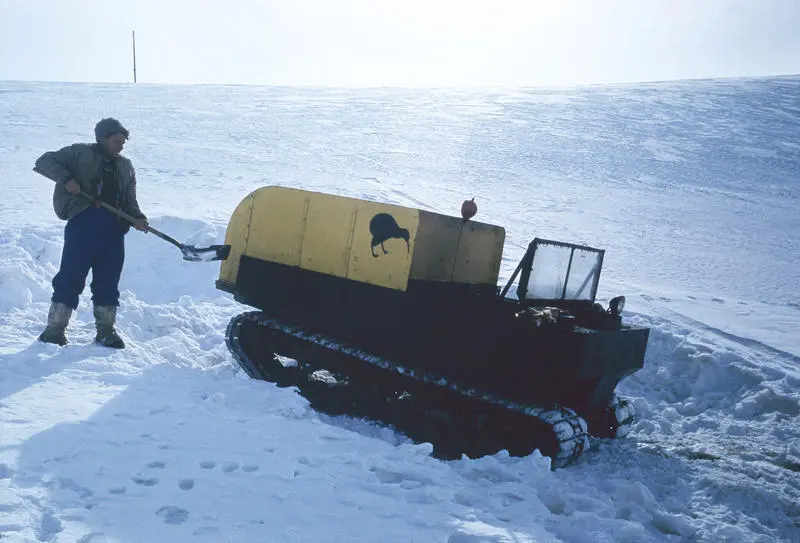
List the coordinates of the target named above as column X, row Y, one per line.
column 692, row 188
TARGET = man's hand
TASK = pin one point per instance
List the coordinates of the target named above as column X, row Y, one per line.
column 72, row 187
column 141, row 225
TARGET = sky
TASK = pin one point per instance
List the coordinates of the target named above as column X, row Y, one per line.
column 355, row 43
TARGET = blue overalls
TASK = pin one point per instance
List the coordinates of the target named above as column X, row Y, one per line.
column 93, row 239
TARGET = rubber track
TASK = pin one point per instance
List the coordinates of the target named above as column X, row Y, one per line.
column 570, row 429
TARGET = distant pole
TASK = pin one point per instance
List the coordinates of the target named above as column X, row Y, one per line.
column 133, row 32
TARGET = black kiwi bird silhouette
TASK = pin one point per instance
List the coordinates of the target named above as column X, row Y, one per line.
column 383, row 227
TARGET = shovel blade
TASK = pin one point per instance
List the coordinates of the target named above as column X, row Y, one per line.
column 205, row 254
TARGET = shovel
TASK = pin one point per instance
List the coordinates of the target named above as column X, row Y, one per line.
column 190, row 252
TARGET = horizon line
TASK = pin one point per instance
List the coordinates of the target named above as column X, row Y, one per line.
column 412, row 87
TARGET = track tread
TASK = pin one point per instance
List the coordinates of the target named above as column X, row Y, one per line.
column 397, row 388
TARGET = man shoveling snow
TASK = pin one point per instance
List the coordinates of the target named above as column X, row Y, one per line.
column 93, row 235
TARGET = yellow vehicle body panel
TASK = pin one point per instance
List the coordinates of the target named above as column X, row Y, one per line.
column 371, row 242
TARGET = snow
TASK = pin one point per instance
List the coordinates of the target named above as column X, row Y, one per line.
column 691, row 187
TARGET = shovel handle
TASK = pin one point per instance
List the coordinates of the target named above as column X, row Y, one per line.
column 131, row 220
column 124, row 215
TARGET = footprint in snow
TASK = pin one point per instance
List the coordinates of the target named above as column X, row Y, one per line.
column 173, row 515
column 49, row 526
column 69, row 484
column 186, row 484
column 145, row 481
column 157, row 464
column 229, row 467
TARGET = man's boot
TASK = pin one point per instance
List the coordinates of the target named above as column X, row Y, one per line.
column 104, row 318
column 57, row 320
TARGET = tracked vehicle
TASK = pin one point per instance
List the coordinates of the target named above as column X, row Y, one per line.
column 394, row 314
